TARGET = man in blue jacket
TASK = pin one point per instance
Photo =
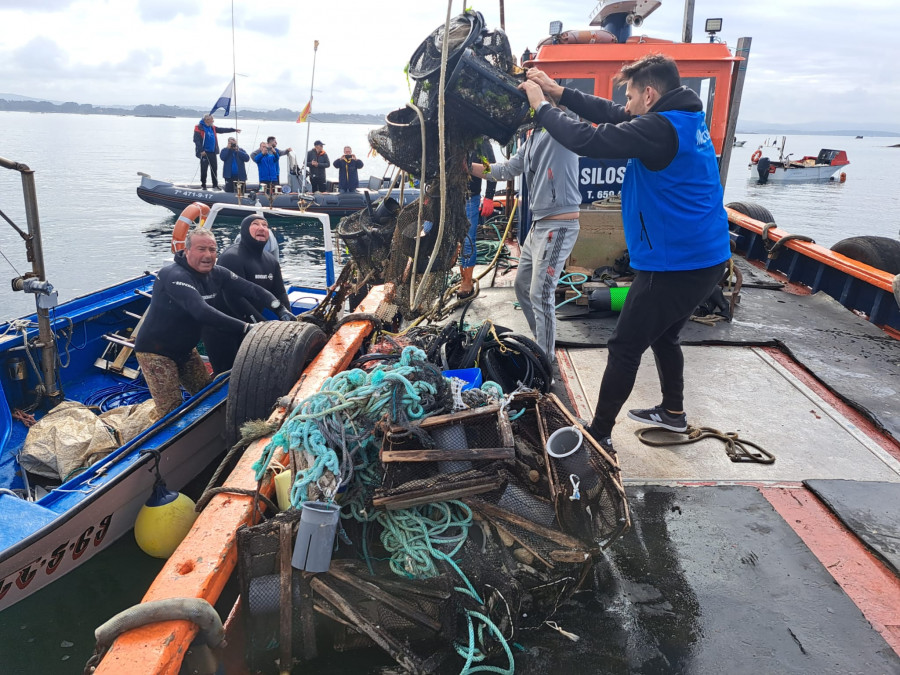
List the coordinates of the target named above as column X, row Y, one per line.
column 272, row 148
column 266, row 160
column 348, row 170
column 234, row 161
column 675, row 225
column 206, row 147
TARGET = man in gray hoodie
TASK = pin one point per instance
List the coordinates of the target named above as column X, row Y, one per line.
column 550, row 172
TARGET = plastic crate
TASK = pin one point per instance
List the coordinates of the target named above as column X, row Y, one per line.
column 471, row 376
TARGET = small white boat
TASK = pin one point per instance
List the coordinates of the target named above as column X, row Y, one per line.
column 825, row 166
column 738, row 144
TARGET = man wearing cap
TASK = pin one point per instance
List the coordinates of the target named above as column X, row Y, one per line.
column 234, row 160
column 317, row 161
column 248, row 259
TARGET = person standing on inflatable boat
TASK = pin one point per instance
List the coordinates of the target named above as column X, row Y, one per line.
column 675, row 224
column 206, row 147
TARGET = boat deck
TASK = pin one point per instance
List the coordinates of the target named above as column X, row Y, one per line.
column 789, row 567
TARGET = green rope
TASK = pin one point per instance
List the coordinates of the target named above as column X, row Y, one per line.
column 569, row 281
column 335, row 428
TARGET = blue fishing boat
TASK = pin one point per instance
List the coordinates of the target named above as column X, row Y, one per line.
column 59, row 512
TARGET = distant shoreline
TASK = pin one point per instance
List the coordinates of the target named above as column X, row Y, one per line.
column 168, row 111
column 286, row 115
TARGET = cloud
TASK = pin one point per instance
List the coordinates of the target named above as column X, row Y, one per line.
column 41, row 56
column 162, row 11
column 271, row 25
column 37, row 5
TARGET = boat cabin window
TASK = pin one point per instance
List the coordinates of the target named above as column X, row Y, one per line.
column 582, row 84
column 705, row 88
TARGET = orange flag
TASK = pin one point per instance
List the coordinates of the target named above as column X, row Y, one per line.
column 305, row 112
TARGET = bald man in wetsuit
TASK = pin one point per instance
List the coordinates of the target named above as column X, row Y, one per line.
column 181, row 305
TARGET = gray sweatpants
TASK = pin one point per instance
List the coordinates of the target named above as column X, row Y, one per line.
column 541, row 261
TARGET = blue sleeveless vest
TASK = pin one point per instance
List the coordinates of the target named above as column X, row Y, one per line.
column 674, row 218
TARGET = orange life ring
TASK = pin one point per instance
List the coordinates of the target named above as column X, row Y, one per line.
column 194, row 213
column 580, row 37
column 755, row 156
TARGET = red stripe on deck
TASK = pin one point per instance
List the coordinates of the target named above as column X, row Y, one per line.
column 852, row 415
column 873, row 587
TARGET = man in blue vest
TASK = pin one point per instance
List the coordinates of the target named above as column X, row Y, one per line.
column 675, row 225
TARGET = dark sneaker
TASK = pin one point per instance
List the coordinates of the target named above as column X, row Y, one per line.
column 606, row 444
column 660, row 417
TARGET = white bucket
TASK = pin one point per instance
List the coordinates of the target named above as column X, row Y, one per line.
column 564, row 441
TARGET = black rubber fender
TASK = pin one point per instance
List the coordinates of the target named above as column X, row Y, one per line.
column 268, row 364
column 752, row 210
column 882, row 253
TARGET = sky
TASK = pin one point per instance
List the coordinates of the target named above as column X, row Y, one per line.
column 810, row 60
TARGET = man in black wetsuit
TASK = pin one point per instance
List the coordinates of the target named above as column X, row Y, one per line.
column 166, row 346
column 248, row 259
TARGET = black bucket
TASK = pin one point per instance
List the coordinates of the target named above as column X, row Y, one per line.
column 387, row 211
column 399, row 141
column 426, row 243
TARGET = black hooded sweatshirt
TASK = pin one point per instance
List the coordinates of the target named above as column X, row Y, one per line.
column 249, row 260
column 650, row 138
column 182, row 304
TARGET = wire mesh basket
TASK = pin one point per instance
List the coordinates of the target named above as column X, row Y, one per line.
column 487, row 98
column 399, row 141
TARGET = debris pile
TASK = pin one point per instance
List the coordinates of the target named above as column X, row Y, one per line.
column 457, row 530
column 431, row 138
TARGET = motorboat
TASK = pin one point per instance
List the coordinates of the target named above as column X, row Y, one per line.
column 826, row 166
column 290, row 196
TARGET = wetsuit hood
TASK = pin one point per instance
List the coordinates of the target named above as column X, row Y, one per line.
column 248, row 243
column 682, row 98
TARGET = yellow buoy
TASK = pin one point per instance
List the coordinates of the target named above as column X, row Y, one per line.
column 164, row 520
column 283, row 484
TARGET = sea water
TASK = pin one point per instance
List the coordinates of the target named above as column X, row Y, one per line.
column 96, row 232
